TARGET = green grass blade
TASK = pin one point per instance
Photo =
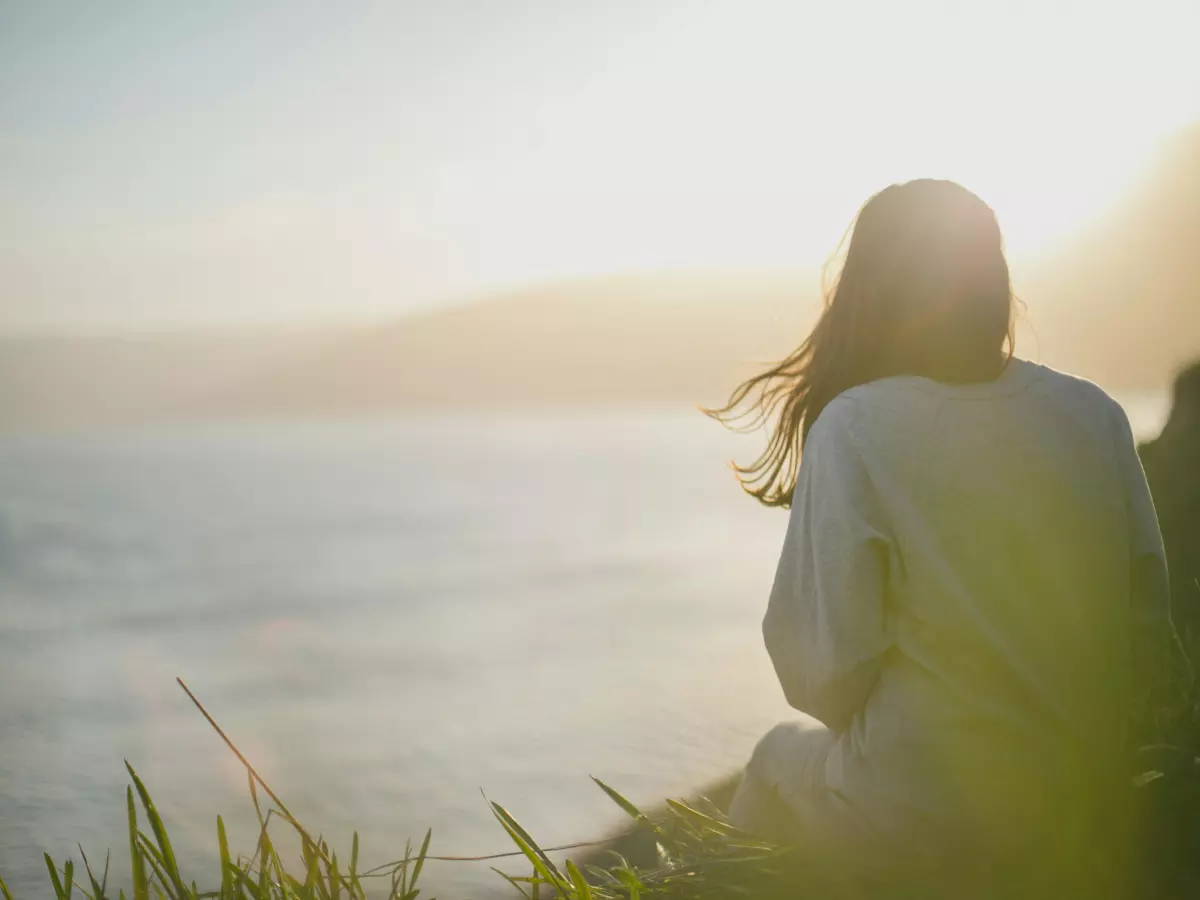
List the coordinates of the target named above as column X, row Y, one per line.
column 514, row 882
column 97, row 890
column 308, row 854
column 582, row 888
column 632, row 883
column 601, row 875
column 537, row 857
column 158, row 873
column 355, row 884
column 709, row 824
column 246, row 885
column 632, row 811
column 55, row 880
column 151, row 854
column 400, row 875
column 226, row 863
column 699, row 818
column 335, row 879
column 160, row 835
column 282, row 879
column 314, row 882
column 141, row 889
column 4, row 890
column 664, row 839
column 420, row 864
column 264, row 862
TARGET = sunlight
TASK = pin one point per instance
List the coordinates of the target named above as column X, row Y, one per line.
column 732, row 145
column 1046, row 184
column 651, row 194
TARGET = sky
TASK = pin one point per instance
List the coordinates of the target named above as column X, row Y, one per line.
column 178, row 164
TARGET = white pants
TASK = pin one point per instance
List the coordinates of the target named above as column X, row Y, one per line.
column 784, row 796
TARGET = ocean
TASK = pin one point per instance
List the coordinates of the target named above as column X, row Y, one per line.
column 391, row 620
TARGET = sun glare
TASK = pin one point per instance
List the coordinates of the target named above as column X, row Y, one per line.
column 749, row 196
column 764, row 156
column 1047, row 179
column 1045, row 192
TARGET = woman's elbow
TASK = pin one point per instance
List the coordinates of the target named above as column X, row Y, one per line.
column 829, row 707
column 818, row 701
column 835, row 701
column 786, row 655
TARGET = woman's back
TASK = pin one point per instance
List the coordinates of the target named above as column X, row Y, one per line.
column 1005, row 511
column 1009, row 505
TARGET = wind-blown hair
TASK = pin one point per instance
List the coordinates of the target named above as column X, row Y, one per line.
column 923, row 290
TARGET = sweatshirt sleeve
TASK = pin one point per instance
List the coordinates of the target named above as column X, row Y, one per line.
column 824, row 627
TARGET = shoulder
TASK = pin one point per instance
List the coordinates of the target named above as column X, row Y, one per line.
column 830, row 442
column 860, row 414
column 844, row 427
column 836, row 422
column 1085, row 394
column 881, row 416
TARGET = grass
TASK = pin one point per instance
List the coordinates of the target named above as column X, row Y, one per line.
column 685, row 850
column 1166, row 773
column 697, row 849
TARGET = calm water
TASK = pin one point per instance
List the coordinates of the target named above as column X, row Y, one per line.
column 387, row 618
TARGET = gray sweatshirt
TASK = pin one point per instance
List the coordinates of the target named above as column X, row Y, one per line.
column 964, row 572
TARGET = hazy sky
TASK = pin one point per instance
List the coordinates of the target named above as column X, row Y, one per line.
column 169, row 163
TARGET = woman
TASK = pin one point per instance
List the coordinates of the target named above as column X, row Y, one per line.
column 970, row 553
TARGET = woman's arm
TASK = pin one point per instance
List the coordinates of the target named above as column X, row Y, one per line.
column 824, row 627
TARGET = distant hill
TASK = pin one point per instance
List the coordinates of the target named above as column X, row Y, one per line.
column 617, row 340
column 605, row 341
column 1119, row 304
column 67, row 382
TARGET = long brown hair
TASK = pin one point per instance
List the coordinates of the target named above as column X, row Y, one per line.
column 924, row 290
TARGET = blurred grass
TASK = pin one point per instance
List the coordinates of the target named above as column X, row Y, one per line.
column 684, row 850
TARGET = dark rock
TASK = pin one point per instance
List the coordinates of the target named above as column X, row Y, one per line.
column 1172, row 463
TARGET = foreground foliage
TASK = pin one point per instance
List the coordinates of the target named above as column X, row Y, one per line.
column 687, row 851
column 699, row 853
